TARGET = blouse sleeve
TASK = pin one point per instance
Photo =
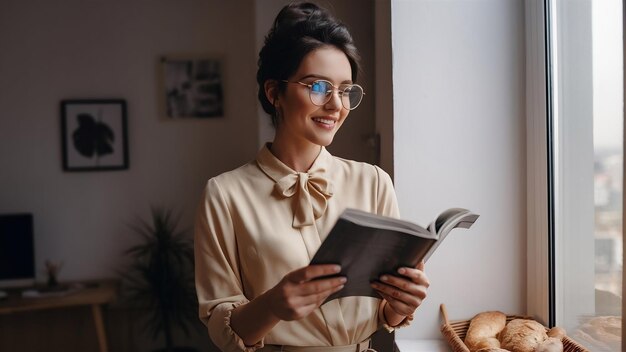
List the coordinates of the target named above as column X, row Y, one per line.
column 217, row 273
column 388, row 206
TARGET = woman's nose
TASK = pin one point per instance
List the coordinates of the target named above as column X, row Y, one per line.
column 334, row 103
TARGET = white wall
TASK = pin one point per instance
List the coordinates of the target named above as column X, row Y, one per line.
column 68, row 49
column 459, row 132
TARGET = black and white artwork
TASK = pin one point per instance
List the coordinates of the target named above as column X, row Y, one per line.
column 193, row 88
column 94, row 135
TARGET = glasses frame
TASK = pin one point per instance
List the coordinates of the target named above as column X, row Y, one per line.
column 335, row 88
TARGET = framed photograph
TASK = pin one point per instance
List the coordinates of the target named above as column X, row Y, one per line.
column 93, row 135
column 192, row 87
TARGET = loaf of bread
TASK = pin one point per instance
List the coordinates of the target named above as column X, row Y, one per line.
column 483, row 330
column 551, row 344
column 522, row 335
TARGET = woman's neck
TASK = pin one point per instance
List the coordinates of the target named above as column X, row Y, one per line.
column 298, row 157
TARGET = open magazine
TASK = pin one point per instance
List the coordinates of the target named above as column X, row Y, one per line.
column 368, row 245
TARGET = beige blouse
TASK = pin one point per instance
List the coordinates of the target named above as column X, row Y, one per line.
column 263, row 220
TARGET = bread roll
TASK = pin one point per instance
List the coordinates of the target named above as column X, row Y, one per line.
column 483, row 329
column 487, row 342
column 522, row 335
column 557, row 332
column 551, row 344
column 492, row 350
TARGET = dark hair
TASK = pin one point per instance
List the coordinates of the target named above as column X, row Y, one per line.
column 299, row 28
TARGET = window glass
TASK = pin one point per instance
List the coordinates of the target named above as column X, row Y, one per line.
column 587, row 138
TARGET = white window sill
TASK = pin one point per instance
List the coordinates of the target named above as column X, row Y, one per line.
column 405, row 345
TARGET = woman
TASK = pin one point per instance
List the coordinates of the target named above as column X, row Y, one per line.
column 259, row 225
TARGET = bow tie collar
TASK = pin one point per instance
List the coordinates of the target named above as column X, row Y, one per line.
column 309, row 191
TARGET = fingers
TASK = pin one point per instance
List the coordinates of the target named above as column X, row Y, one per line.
column 416, row 275
column 311, row 299
column 319, row 297
column 303, row 290
column 311, row 272
column 404, row 293
column 411, row 298
column 316, row 286
column 397, row 305
column 306, row 282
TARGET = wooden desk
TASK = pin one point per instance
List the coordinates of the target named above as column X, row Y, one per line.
column 95, row 294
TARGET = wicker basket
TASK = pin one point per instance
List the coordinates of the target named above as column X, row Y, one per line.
column 455, row 332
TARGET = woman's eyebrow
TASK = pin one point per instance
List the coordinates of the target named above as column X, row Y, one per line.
column 348, row 81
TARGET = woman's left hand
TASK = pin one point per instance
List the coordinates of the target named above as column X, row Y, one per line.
column 406, row 292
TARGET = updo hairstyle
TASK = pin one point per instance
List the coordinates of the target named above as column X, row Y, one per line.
column 299, row 28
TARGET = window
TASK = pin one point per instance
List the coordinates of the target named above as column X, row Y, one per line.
column 585, row 148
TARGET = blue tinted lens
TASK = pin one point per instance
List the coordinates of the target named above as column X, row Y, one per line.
column 320, row 92
column 320, row 87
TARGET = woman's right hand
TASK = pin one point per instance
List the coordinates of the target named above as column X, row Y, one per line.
column 299, row 293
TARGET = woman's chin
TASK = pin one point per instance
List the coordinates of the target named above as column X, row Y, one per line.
column 325, row 142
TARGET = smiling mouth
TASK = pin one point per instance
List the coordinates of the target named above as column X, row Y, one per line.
column 328, row 123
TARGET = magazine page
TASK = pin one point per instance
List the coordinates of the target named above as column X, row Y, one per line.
column 384, row 222
column 446, row 222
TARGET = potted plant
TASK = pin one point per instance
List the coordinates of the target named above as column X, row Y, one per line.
column 160, row 280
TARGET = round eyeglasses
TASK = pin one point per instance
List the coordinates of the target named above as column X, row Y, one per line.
column 320, row 92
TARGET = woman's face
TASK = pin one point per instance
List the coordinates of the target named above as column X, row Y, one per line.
column 301, row 121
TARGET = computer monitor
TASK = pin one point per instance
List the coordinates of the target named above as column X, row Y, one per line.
column 17, row 250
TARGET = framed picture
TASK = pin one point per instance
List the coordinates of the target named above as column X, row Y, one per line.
column 192, row 87
column 93, row 134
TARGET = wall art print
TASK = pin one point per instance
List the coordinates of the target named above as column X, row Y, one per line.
column 192, row 87
column 94, row 135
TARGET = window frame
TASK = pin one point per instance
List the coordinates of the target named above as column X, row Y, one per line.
column 538, row 274
column 541, row 284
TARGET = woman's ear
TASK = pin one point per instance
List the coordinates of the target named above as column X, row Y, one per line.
column 271, row 91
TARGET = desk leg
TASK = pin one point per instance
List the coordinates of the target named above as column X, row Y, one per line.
column 97, row 318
